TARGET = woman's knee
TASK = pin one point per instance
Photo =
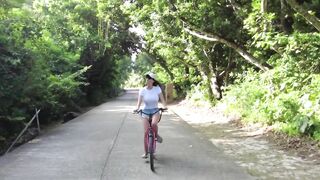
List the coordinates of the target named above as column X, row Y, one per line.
column 145, row 123
column 155, row 122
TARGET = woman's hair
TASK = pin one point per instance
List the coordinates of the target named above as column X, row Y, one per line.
column 155, row 83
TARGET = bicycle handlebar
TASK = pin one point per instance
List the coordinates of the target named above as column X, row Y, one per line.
column 140, row 110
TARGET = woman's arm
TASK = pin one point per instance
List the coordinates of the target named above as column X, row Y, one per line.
column 163, row 102
column 139, row 102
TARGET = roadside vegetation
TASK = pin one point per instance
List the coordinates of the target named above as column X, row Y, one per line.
column 59, row 56
column 259, row 57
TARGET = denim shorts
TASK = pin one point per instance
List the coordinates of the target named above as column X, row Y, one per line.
column 147, row 112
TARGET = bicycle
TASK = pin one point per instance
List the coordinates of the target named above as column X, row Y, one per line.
column 150, row 140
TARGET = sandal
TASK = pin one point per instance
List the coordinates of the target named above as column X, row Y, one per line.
column 144, row 156
column 159, row 139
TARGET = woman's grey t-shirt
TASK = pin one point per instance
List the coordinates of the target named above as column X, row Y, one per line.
column 150, row 97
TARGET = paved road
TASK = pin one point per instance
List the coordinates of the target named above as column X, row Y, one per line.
column 106, row 143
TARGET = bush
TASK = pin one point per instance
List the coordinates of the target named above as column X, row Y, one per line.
column 199, row 95
column 293, row 107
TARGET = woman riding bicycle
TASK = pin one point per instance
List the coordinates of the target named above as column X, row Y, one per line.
column 150, row 95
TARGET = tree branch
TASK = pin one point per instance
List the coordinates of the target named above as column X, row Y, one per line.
column 212, row 37
column 313, row 20
column 160, row 61
column 235, row 6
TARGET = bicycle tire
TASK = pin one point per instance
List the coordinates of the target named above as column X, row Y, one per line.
column 151, row 156
column 151, row 151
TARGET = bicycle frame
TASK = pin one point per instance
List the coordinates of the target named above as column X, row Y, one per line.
column 150, row 134
column 150, row 140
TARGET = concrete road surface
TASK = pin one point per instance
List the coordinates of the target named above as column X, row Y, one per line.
column 106, row 143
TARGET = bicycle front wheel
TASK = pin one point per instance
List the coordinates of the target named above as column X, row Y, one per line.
column 151, row 151
column 151, row 156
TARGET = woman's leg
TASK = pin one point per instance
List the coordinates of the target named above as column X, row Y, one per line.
column 145, row 134
column 155, row 120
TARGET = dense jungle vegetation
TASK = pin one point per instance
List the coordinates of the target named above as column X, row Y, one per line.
column 260, row 57
column 59, row 56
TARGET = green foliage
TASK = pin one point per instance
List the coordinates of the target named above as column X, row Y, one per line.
column 285, row 97
column 258, row 100
column 300, row 51
column 199, row 96
column 275, row 99
column 134, row 81
column 12, row 3
column 57, row 55
column 143, row 63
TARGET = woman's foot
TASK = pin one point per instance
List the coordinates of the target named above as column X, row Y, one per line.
column 144, row 156
column 159, row 139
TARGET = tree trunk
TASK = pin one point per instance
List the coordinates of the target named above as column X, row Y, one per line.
column 206, row 77
column 286, row 18
column 313, row 20
column 264, row 6
column 264, row 9
column 214, row 85
column 230, row 66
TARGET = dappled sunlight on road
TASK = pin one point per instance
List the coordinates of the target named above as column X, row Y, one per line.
column 176, row 118
column 258, row 156
column 248, row 147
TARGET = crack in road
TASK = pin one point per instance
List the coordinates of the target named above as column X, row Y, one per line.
column 112, row 146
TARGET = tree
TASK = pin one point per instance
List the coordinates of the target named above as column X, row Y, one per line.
column 55, row 54
column 313, row 20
